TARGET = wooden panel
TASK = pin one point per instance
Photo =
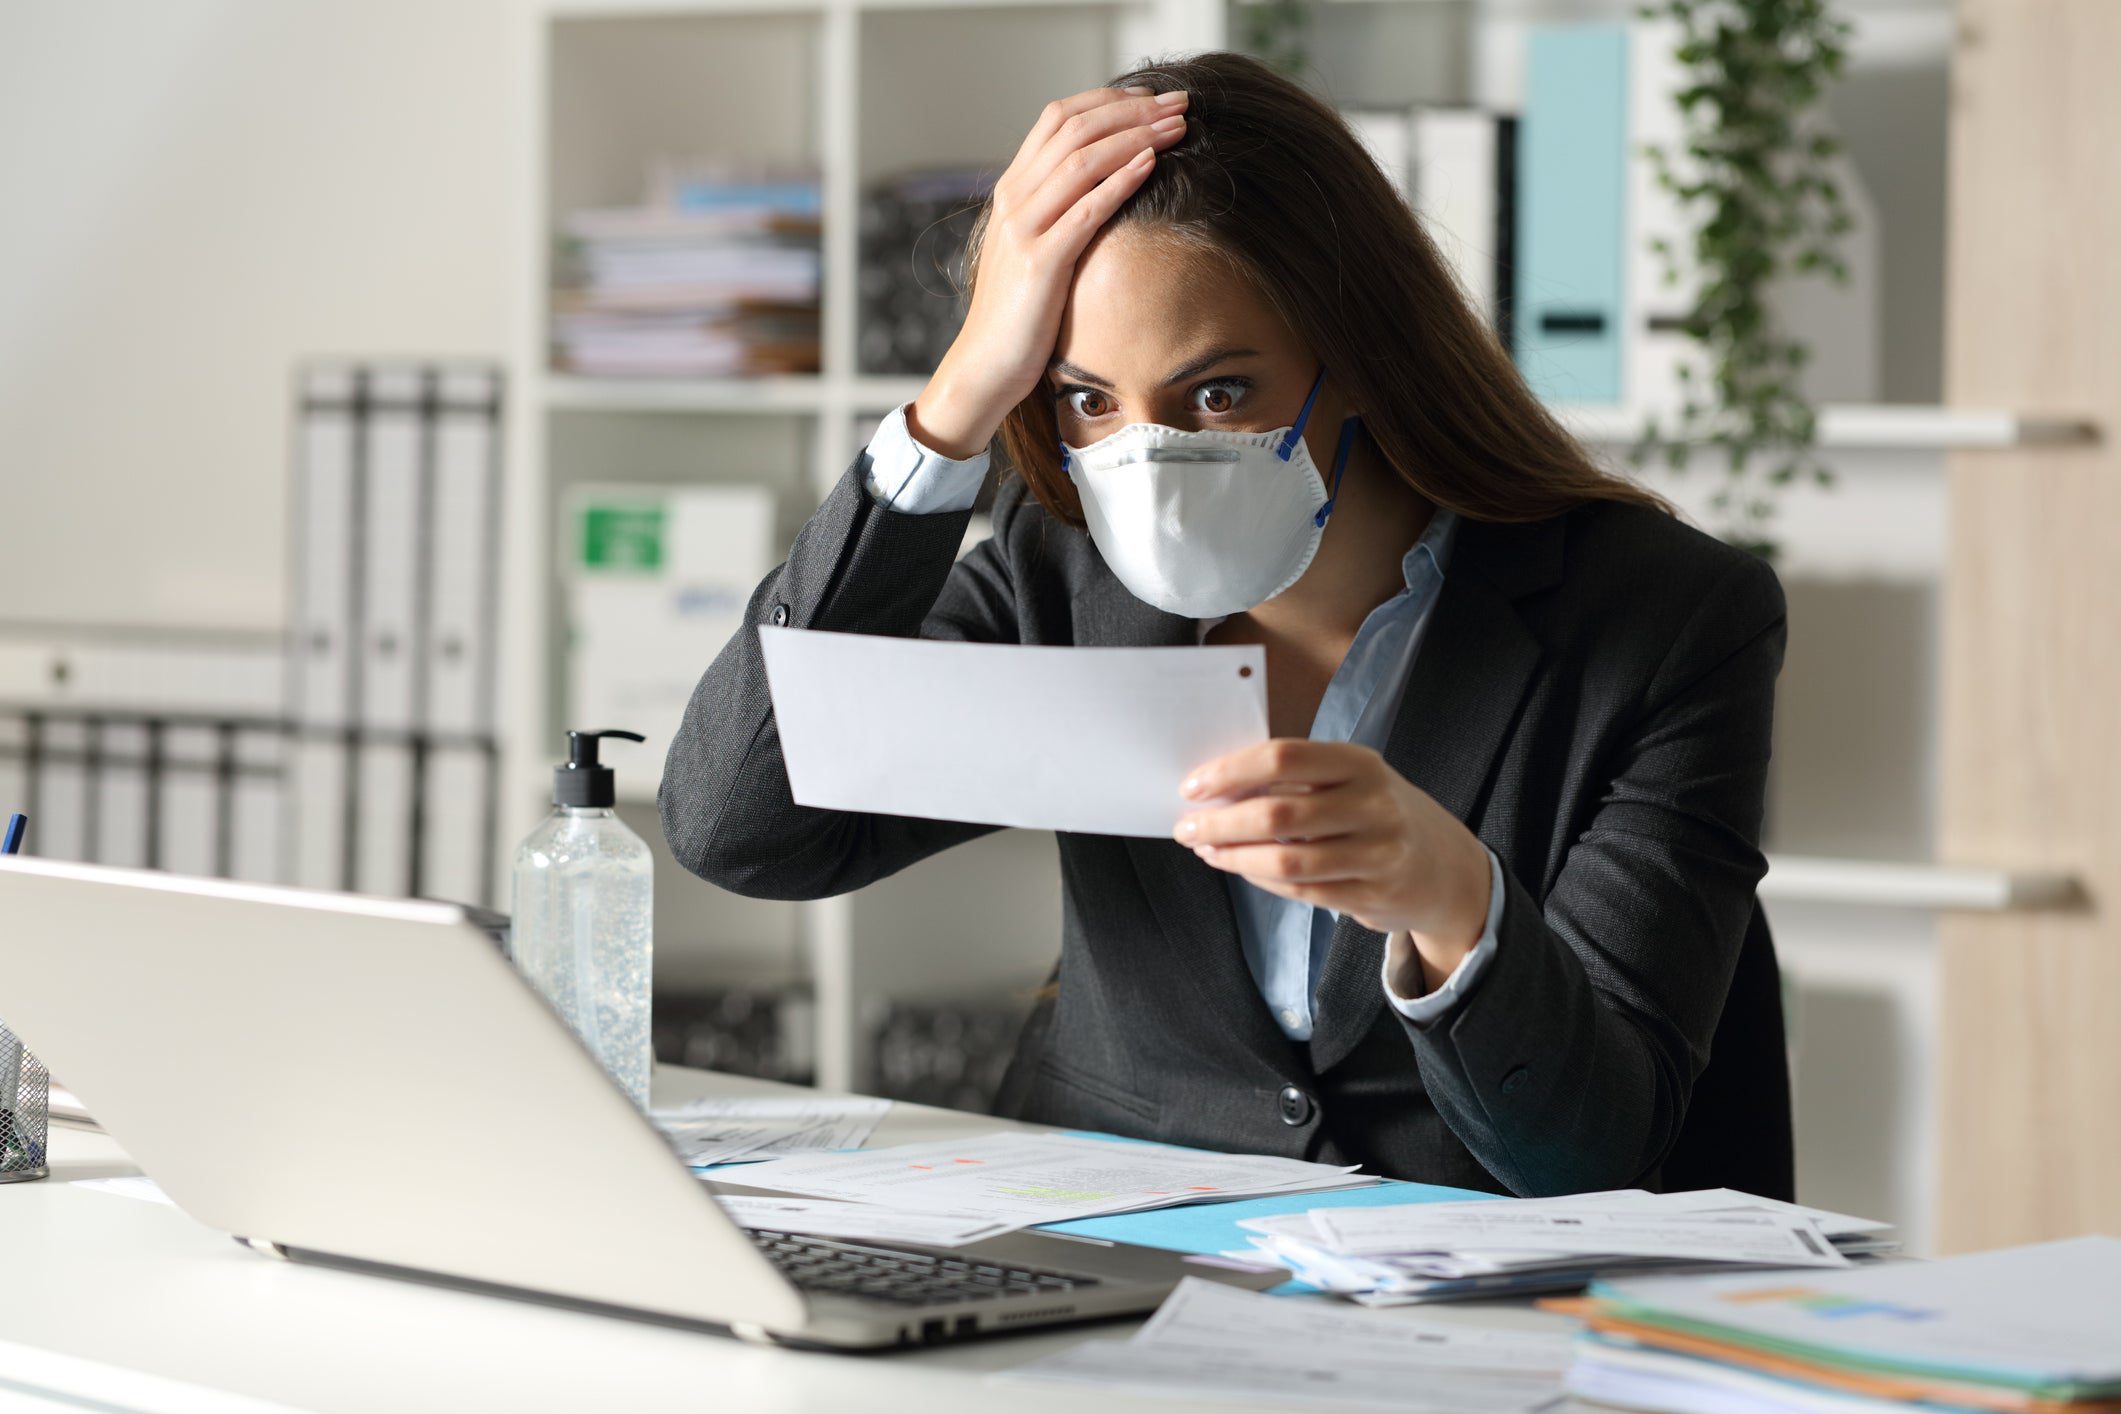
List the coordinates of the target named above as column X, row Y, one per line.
column 2031, row 1084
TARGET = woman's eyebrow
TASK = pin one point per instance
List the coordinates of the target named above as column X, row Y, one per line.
column 1060, row 367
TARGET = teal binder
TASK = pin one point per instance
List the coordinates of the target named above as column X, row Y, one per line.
column 1572, row 212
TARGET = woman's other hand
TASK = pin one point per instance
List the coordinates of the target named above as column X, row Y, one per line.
column 1332, row 824
column 1084, row 156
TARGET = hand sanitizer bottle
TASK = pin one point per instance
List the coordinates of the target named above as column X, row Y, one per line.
column 584, row 907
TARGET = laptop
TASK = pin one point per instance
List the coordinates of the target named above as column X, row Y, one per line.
column 368, row 1084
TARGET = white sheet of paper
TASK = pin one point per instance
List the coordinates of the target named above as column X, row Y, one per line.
column 1022, row 1179
column 742, row 1129
column 863, row 1222
column 1768, row 1239
column 1210, row 1317
column 1093, row 740
column 1702, row 1200
column 1214, row 1342
column 1253, row 1377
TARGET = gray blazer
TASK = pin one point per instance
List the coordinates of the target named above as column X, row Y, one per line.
column 1594, row 699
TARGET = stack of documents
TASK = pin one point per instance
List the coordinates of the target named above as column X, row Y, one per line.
column 2031, row 1329
column 714, row 277
column 751, row 1128
column 1020, row 1180
column 1215, row 1342
column 1406, row 1253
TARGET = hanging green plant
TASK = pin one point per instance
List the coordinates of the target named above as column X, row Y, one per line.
column 1758, row 184
column 1278, row 33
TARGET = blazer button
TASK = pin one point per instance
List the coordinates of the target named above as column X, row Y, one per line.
column 1514, row 1081
column 1296, row 1107
column 780, row 615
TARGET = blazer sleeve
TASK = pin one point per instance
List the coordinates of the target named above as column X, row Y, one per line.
column 856, row 567
column 1568, row 1068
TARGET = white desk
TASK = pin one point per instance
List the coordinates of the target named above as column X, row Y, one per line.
column 141, row 1287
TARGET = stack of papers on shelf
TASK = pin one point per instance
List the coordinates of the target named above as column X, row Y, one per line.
column 1216, row 1342
column 1401, row 1254
column 747, row 1129
column 712, row 277
column 1024, row 1179
column 2031, row 1329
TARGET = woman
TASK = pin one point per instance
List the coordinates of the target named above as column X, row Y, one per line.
column 1472, row 915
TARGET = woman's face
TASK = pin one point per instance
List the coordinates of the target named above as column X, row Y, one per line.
column 1157, row 331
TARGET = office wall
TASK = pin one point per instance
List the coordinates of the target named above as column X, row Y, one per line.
column 198, row 193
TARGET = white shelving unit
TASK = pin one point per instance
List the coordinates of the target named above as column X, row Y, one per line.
column 1871, row 427
column 1881, row 884
column 863, row 89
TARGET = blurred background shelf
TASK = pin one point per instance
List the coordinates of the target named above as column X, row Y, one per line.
column 787, row 393
column 1887, row 884
column 1875, row 427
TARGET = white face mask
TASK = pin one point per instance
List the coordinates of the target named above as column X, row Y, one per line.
column 1206, row 523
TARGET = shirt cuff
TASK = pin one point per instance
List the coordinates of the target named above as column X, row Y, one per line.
column 1424, row 1009
column 905, row 476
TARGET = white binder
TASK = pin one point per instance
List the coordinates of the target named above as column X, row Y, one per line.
column 1456, row 186
column 397, row 438
column 320, row 647
column 464, row 567
column 395, row 641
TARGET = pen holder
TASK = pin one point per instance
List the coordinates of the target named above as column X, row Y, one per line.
column 25, row 1112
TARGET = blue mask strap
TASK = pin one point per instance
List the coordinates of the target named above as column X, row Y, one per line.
column 1287, row 448
column 1064, row 451
column 1348, row 430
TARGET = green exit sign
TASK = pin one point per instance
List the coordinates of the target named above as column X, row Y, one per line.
column 622, row 537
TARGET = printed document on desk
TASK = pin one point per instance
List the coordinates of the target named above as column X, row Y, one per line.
column 1766, row 1239
column 1023, row 1179
column 746, row 1128
column 863, row 1222
column 1214, row 1342
column 1093, row 740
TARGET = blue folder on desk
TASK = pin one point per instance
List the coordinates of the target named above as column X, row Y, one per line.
column 1213, row 1227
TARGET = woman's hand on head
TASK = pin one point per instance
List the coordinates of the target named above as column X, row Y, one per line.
column 1332, row 824
column 1084, row 156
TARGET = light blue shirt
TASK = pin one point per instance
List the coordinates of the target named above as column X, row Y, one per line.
column 1284, row 940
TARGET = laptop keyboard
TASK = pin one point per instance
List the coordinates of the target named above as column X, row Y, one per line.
column 903, row 1278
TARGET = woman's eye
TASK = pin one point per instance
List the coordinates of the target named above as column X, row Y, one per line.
column 1218, row 397
column 1086, row 402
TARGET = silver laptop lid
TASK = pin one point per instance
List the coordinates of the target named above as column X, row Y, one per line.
column 364, row 1078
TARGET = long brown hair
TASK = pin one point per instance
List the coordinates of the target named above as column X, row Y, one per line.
column 1270, row 179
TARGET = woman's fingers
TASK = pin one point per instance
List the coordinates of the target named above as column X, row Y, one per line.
column 1280, row 761
column 1327, row 862
column 1313, row 815
column 1059, row 111
column 1070, row 206
column 1083, row 149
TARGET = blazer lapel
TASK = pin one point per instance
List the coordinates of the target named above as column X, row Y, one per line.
column 1460, row 705
column 1190, row 899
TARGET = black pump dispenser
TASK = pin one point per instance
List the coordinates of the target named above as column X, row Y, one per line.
column 581, row 781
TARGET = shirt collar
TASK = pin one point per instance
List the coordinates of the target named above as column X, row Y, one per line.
column 1435, row 543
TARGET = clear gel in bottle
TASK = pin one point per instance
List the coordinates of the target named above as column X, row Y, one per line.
column 584, row 914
